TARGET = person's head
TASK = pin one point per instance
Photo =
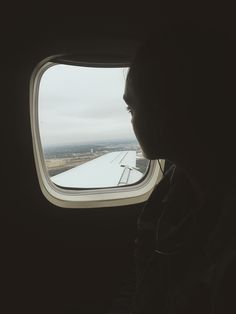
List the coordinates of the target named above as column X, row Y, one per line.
column 180, row 90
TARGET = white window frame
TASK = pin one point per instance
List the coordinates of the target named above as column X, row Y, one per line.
column 83, row 198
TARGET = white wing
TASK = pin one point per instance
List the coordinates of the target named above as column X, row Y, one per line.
column 111, row 169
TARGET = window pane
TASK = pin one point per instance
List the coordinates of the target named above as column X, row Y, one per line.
column 85, row 129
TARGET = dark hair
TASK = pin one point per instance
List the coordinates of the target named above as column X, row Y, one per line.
column 193, row 69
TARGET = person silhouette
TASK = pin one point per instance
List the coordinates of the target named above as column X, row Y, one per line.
column 180, row 93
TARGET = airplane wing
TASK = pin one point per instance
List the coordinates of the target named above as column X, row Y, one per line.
column 111, row 169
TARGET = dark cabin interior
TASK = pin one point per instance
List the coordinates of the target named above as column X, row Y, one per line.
column 60, row 260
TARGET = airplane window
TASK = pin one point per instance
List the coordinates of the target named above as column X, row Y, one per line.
column 85, row 130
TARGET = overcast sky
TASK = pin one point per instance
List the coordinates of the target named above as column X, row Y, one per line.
column 81, row 104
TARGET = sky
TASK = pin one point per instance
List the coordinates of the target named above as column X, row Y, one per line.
column 82, row 104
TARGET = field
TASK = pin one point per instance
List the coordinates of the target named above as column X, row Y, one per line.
column 60, row 159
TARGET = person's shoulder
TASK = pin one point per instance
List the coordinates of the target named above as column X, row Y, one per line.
column 224, row 295
column 221, row 249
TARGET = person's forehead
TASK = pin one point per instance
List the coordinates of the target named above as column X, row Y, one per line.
column 128, row 92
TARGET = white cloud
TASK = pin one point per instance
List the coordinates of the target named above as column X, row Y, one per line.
column 79, row 104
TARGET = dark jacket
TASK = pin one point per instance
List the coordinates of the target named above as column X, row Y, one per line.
column 185, row 251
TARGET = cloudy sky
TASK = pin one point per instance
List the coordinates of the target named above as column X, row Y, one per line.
column 82, row 104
